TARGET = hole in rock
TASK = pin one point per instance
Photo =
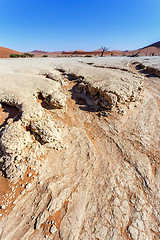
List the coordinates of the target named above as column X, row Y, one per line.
column 44, row 101
column 147, row 71
column 87, row 101
column 7, row 111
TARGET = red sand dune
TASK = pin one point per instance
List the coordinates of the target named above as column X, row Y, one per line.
column 79, row 51
column 39, row 51
column 157, row 45
column 148, row 51
column 151, row 50
column 94, row 53
column 5, row 52
column 98, row 50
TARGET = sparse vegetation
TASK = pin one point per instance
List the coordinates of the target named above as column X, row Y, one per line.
column 45, row 56
column 104, row 49
column 88, row 56
column 29, row 55
column 21, row 55
column 14, row 56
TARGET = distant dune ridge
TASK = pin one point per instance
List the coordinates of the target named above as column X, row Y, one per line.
column 5, row 52
column 150, row 50
column 157, row 45
column 39, row 51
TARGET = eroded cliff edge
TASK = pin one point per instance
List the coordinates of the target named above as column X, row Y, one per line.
column 79, row 142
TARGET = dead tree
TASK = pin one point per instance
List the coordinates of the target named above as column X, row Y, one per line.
column 135, row 54
column 104, row 49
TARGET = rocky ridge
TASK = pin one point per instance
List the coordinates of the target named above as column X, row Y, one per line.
column 79, row 149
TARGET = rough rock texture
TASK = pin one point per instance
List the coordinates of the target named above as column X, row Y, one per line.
column 79, row 149
column 48, row 132
column 14, row 138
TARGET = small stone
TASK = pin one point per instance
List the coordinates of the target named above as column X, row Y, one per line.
column 2, row 206
column 133, row 231
column 53, row 229
column 29, row 174
column 116, row 201
column 124, row 207
column 28, row 185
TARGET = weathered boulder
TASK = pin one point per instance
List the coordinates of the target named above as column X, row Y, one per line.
column 48, row 131
column 14, row 138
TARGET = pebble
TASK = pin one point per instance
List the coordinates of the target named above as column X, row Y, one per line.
column 2, row 206
column 53, row 229
column 28, row 185
column 29, row 174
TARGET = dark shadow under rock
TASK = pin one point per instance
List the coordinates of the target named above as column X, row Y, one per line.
column 7, row 111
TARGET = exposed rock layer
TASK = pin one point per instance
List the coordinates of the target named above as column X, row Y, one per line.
column 80, row 158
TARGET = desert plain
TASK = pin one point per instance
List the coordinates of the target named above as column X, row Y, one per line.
column 80, row 148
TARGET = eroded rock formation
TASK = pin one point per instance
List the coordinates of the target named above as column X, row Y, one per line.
column 79, row 150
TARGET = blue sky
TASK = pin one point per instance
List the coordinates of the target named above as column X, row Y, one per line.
column 51, row 25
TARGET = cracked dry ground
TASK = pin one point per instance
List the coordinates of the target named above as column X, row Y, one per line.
column 102, row 183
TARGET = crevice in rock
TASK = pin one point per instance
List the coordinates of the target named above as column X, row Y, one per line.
column 144, row 182
column 36, row 136
column 56, row 100
column 3, row 169
column 91, row 99
column 1, row 234
column 53, row 77
column 49, row 76
column 107, row 67
column 60, row 70
column 95, row 99
column 110, row 67
column 8, row 111
column 44, row 101
column 35, row 223
column 145, row 70
column 89, row 63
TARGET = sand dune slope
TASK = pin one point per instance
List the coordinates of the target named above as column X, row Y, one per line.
column 5, row 52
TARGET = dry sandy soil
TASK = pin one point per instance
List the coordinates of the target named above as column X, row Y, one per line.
column 79, row 148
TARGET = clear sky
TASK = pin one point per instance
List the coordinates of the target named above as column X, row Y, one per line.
column 50, row 25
